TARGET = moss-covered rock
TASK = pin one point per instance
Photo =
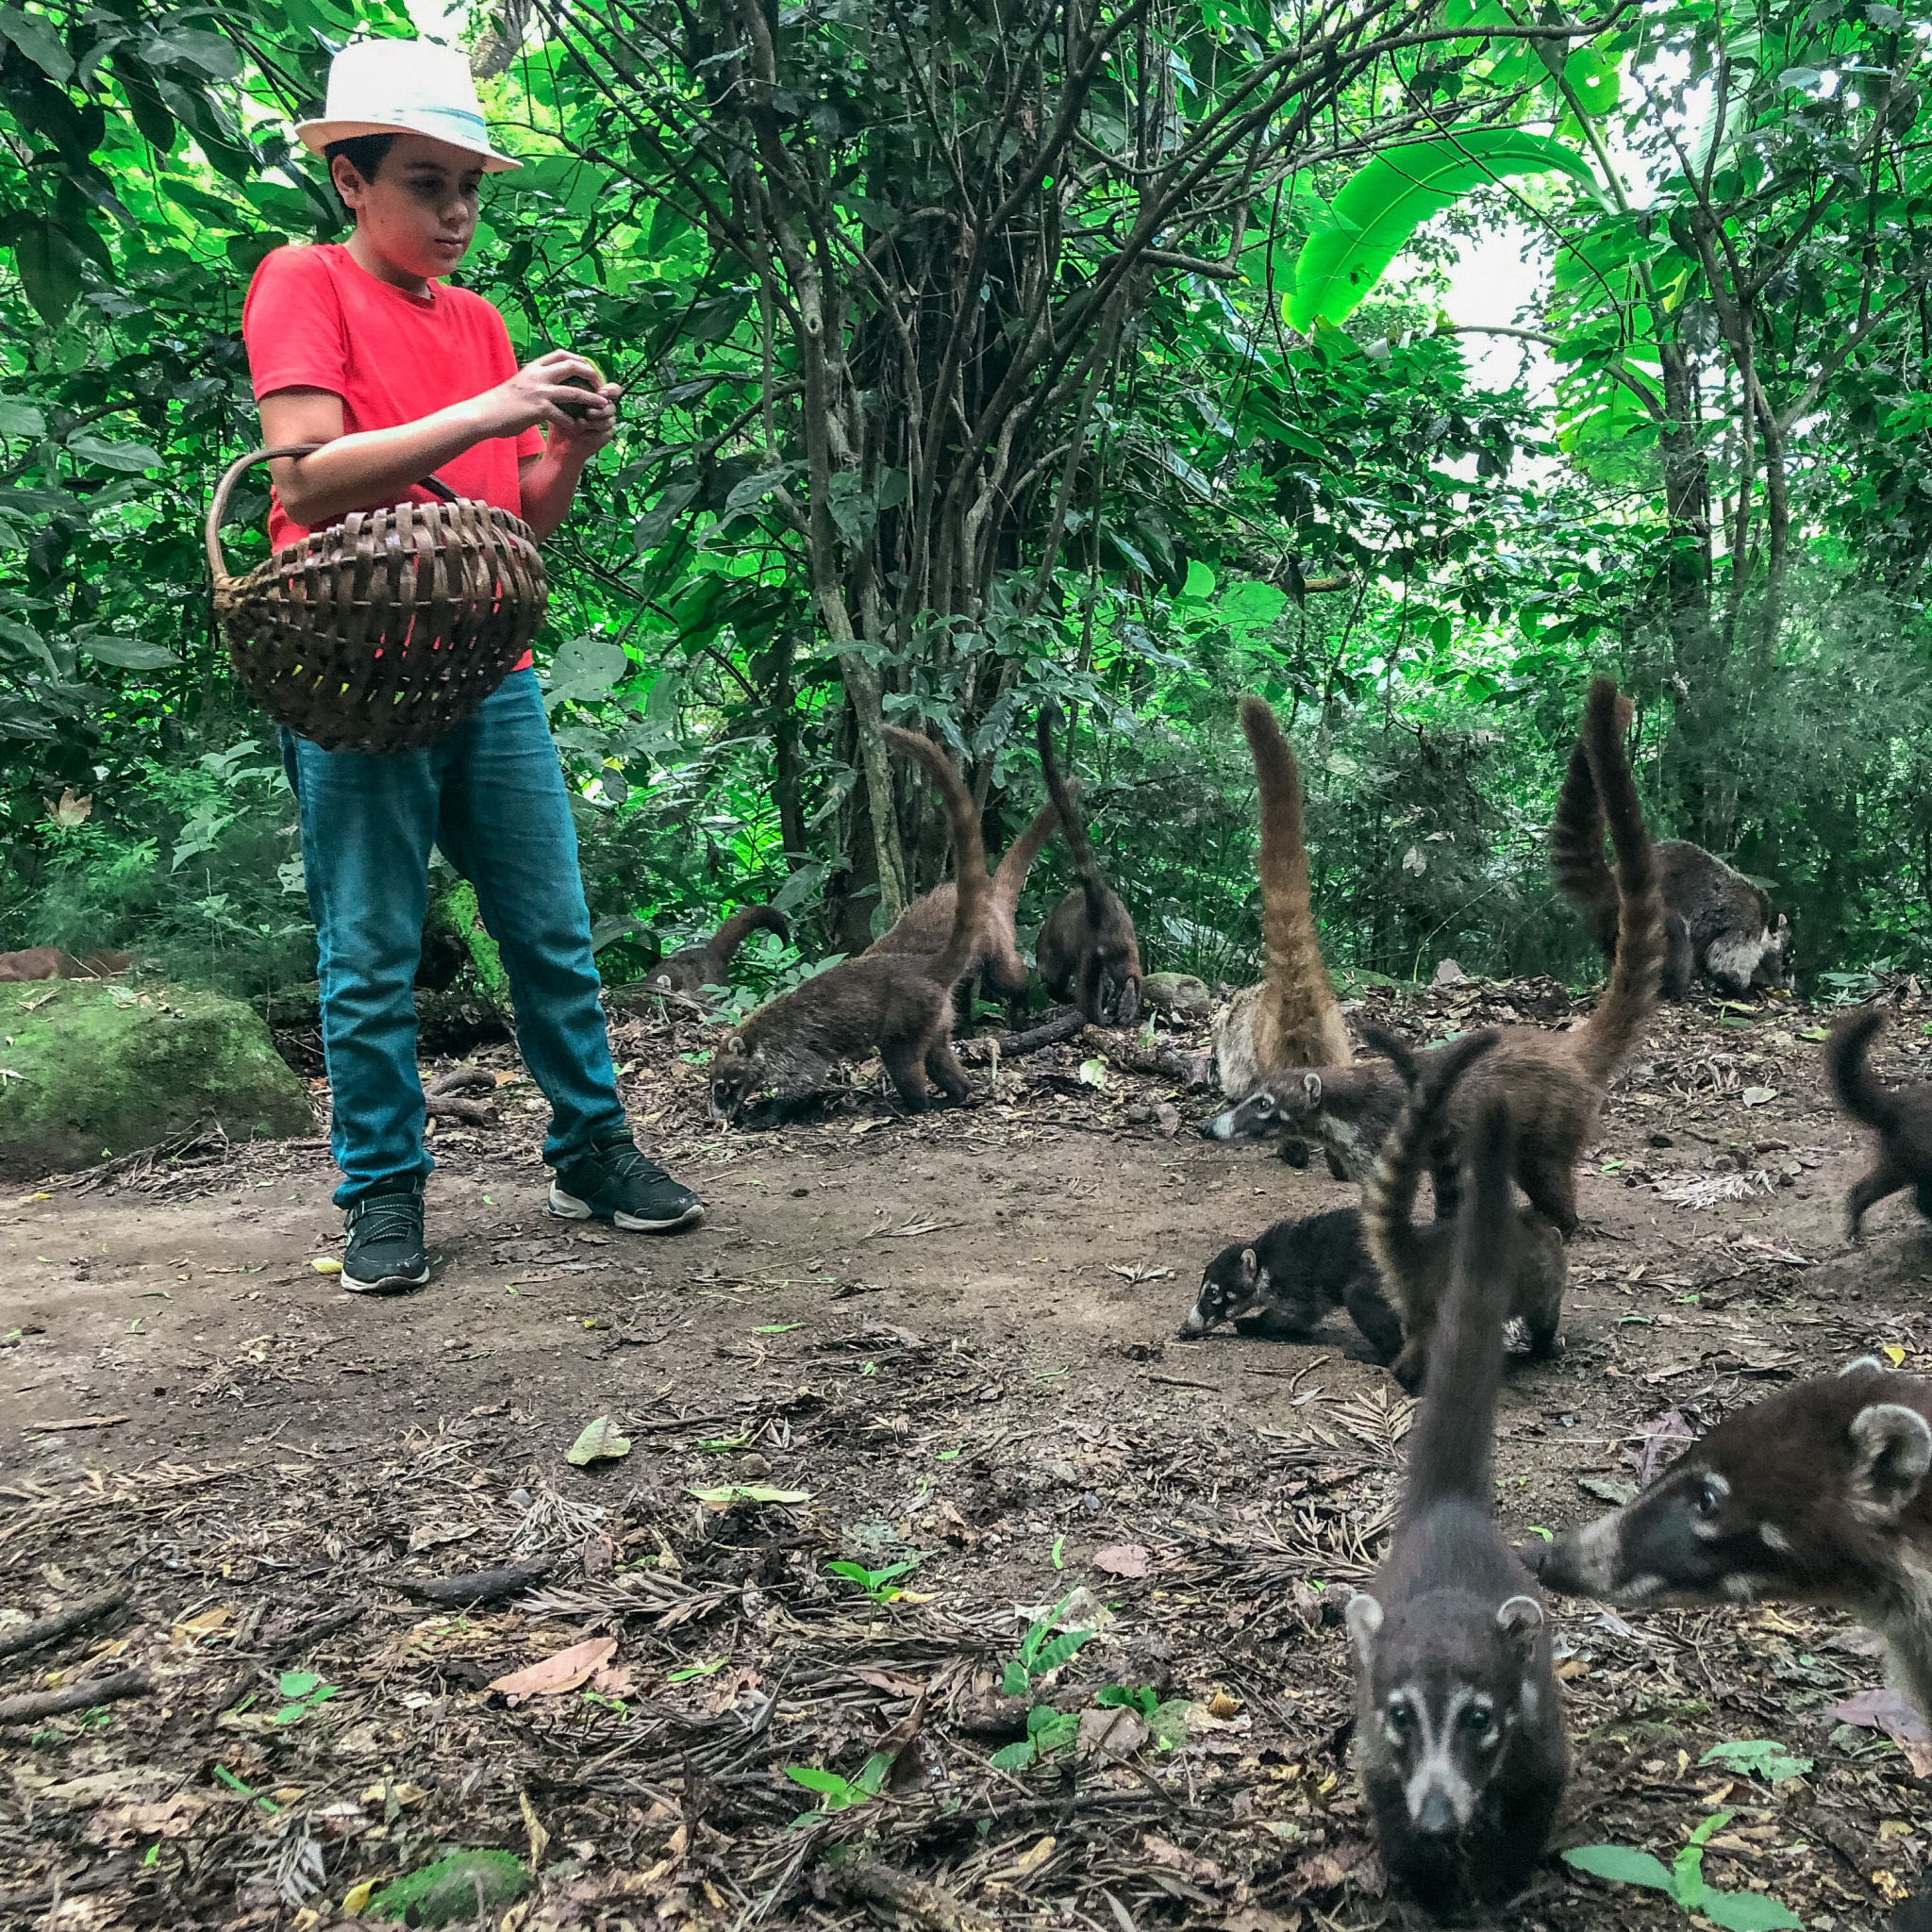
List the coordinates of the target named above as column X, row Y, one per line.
column 93, row 1067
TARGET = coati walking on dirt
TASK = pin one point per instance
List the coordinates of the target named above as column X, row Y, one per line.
column 1458, row 1734
column 925, row 925
column 1716, row 921
column 1086, row 950
column 691, row 969
column 1900, row 1116
column 1553, row 1082
column 1292, row 1018
column 1282, row 1283
column 903, row 1005
column 1416, row 1263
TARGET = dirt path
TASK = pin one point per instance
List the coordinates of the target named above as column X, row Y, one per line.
column 956, row 1335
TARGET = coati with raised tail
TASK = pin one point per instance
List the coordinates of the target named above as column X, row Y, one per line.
column 1458, row 1733
column 1282, row 1283
column 691, row 969
column 1553, row 1082
column 1900, row 1116
column 1086, row 951
column 923, row 926
column 1292, row 1018
column 1415, row 1262
column 1716, row 921
column 903, row 1005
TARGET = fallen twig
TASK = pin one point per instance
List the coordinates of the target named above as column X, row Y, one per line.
column 483, row 1586
column 912, row 1898
column 31, row 1636
column 1125, row 1051
column 83, row 1696
column 1063, row 1024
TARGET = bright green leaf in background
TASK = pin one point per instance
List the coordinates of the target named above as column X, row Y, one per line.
column 1385, row 202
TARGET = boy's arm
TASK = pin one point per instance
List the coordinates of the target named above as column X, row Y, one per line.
column 383, row 465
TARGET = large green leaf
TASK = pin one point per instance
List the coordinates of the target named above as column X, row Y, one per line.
column 1747, row 1912
column 1624, row 1864
column 1383, row 204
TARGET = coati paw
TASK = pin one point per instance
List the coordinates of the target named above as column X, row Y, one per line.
column 1295, row 1152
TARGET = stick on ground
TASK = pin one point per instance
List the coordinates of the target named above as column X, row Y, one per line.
column 83, row 1696
column 31, row 1636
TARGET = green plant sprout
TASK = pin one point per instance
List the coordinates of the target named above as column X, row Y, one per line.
column 304, row 1692
column 877, row 1583
column 1039, row 1654
column 1682, row 1881
column 838, row 1793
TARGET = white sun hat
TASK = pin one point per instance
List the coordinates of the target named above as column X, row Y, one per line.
column 403, row 87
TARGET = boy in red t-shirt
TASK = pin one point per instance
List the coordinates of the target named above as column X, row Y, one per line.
column 359, row 348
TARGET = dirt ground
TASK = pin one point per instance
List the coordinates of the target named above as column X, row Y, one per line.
column 947, row 1342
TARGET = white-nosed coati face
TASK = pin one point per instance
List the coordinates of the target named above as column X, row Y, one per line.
column 1231, row 1284
column 736, row 1073
column 1775, row 965
column 1445, row 1681
column 1119, row 986
column 1798, row 1497
column 1267, row 1112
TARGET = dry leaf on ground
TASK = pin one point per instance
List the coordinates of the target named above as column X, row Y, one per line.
column 554, row 1675
column 1121, row 1559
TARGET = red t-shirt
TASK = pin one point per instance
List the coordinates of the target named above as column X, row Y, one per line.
column 314, row 319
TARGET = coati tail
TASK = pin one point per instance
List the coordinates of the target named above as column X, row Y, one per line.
column 1449, row 1447
column 1860, row 1096
column 1297, row 975
column 1010, row 876
column 748, row 920
column 1631, row 995
column 1576, row 844
column 972, row 887
column 1389, row 1197
column 1079, row 846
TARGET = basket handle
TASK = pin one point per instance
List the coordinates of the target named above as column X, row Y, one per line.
column 218, row 508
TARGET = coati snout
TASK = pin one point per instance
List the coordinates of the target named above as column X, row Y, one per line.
column 736, row 1073
column 1266, row 1111
column 1816, row 1494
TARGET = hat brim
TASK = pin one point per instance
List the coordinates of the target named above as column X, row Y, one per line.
column 317, row 135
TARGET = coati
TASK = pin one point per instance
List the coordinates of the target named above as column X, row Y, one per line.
column 1458, row 1734
column 923, row 926
column 903, row 1005
column 1292, row 1018
column 1415, row 1262
column 1282, row 1283
column 691, row 969
column 1716, row 921
column 1553, row 1082
column 1900, row 1116
column 1086, row 951
column 1815, row 1495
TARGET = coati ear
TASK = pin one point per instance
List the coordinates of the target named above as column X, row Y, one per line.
column 734, row 1043
column 1863, row 1362
column 1251, row 1266
column 1521, row 1620
column 1891, row 1450
column 1311, row 1085
column 1364, row 1617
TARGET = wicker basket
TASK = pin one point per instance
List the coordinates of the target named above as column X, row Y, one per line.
column 383, row 631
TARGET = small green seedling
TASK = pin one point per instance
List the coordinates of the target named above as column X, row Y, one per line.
column 1683, row 1881
column 1142, row 1699
column 838, row 1793
column 304, row 1692
column 1763, row 1757
column 877, row 1583
column 247, row 1791
column 1041, row 1652
column 690, row 1670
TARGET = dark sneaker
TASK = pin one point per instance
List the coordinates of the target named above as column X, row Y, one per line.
column 386, row 1251
column 615, row 1183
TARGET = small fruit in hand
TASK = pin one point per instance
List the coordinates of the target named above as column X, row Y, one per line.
column 592, row 386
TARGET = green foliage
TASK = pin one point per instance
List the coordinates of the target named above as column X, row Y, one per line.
column 877, row 1583
column 838, row 1793
column 1683, row 1881
column 1763, row 1757
column 1030, row 417
column 303, row 1692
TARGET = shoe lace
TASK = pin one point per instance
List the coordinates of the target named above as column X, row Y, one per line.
column 624, row 1162
column 390, row 1218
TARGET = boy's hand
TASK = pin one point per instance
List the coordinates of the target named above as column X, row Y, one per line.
column 552, row 390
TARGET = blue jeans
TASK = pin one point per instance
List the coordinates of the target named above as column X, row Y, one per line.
column 490, row 793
